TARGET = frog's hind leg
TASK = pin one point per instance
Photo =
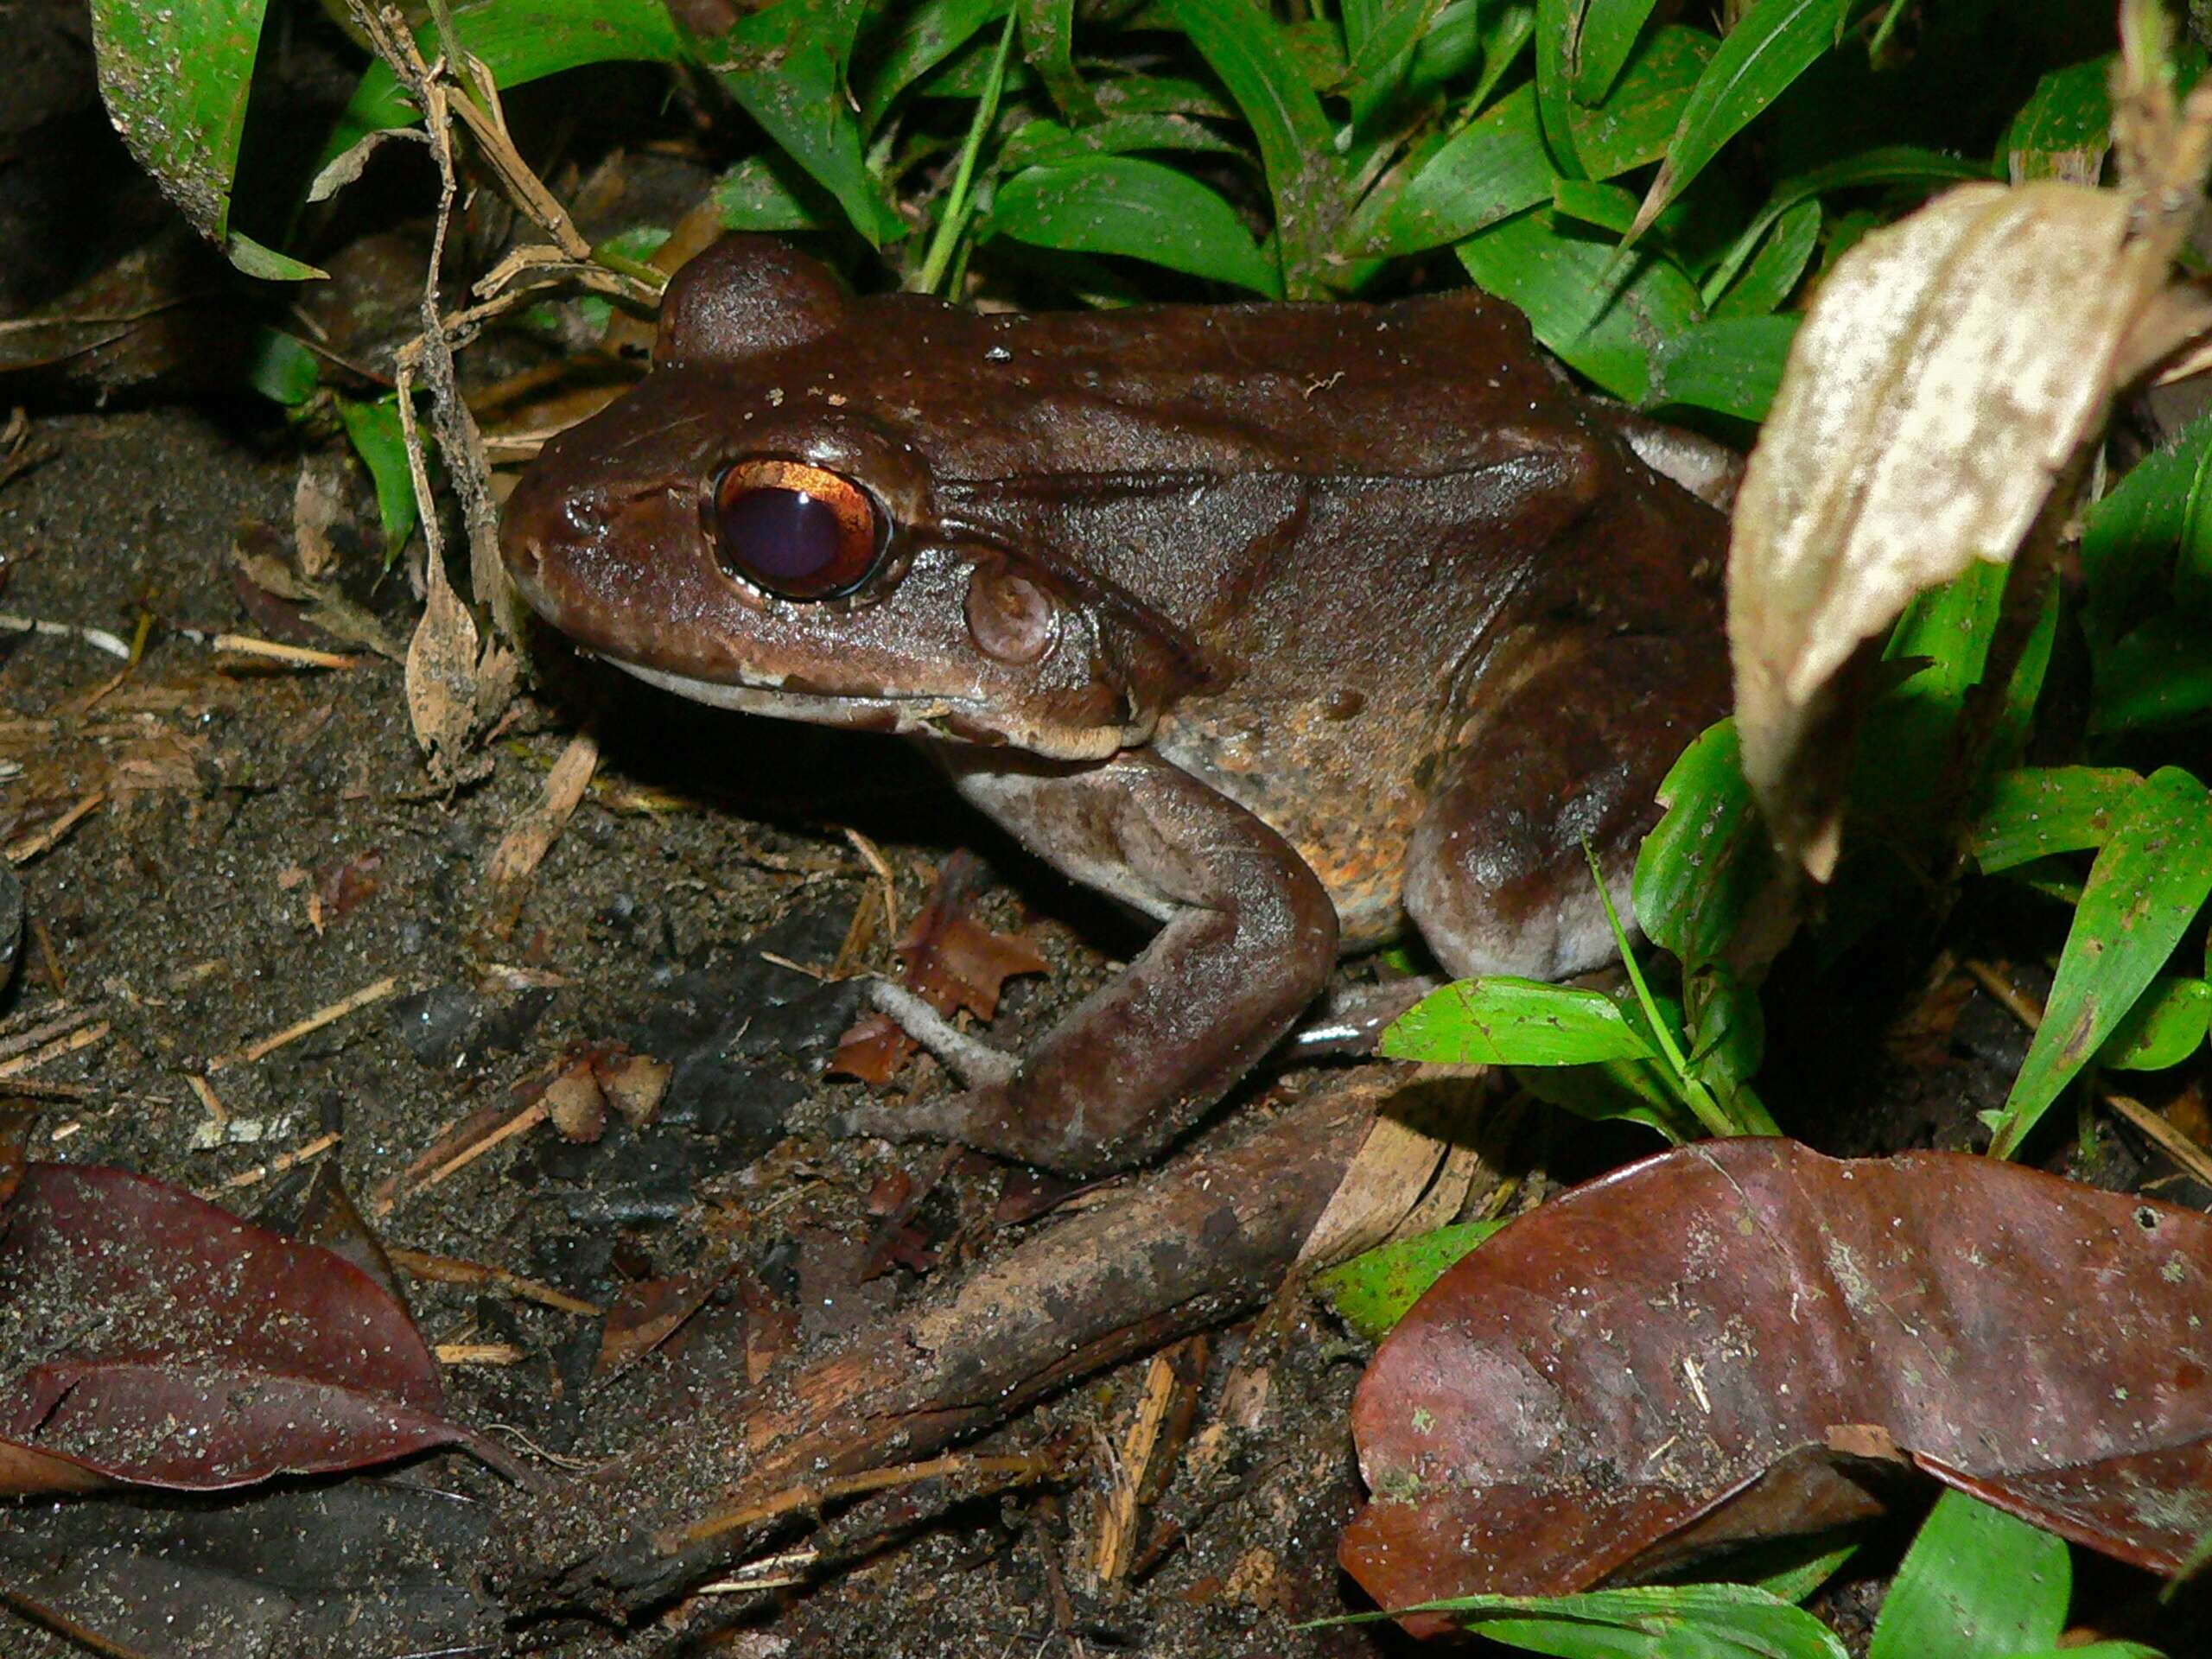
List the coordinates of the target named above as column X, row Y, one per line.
column 1495, row 877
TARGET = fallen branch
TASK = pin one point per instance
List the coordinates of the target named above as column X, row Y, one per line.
column 1200, row 1241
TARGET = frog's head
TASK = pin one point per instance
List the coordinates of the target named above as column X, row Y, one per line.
column 755, row 526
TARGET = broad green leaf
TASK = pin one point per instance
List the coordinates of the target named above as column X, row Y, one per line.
column 1042, row 143
column 1615, row 1090
column 2165, row 1027
column 1605, row 206
column 175, row 77
column 1372, row 1291
column 1494, row 169
column 1775, row 271
column 2156, row 677
column 1604, row 35
column 1891, row 165
column 784, row 64
column 767, row 192
column 1599, row 314
column 270, row 266
column 1727, row 1029
column 1819, row 1557
column 1248, row 49
column 1772, row 45
column 1118, row 204
column 519, row 42
column 1708, row 857
column 1161, row 95
column 2143, row 892
column 2093, row 1651
column 926, row 35
column 1467, row 30
column 1632, row 127
column 1975, row 1585
column 374, row 431
column 2037, row 811
column 2065, row 127
column 1500, row 1020
column 1048, row 42
column 1649, row 1621
column 1732, row 365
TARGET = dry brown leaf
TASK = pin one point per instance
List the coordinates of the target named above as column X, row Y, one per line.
column 1951, row 368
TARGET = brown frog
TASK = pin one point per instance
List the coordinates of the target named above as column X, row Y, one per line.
column 1285, row 624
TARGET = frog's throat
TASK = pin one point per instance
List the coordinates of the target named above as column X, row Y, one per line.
column 937, row 717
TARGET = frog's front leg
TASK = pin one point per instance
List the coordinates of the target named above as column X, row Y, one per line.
column 1247, row 940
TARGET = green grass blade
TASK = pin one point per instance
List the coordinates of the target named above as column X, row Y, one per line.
column 2037, row 811
column 1493, row 168
column 1648, row 1621
column 1605, row 38
column 1976, row 1584
column 1631, row 128
column 1776, row 41
column 1048, row 44
column 1732, row 365
column 2144, row 892
column 1119, row 204
column 926, row 35
column 1252, row 55
column 1776, row 269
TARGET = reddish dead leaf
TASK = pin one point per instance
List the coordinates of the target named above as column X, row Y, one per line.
column 152, row 1338
column 342, row 884
column 952, row 961
column 647, row 1312
column 1608, row 1371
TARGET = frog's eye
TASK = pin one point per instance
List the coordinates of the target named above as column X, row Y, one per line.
column 799, row 531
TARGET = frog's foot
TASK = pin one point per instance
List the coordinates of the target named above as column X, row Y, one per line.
column 971, row 1059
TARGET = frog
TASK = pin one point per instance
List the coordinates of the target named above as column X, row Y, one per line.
column 1293, row 627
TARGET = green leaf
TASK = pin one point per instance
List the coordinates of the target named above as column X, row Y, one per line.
column 1555, row 24
column 519, row 42
column 1804, row 1565
column 270, row 266
column 1372, row 1293
column 1890, row 164
column 2037, row 811
column 1605, row 206
column 1772, row 45
column 1251, row 54
column 767, row 192
column 927, row 35
column 1630, row 1090
column 1649, row 1621
column 1775, row 271
column 2065, row 127
column 2156, row 677
column 176, row 77
column 1727, row 1030
column 784, row 64
column 1118, row 204
column 1499, row 1020
column 1708, row 857
column 1494, row 169
column 1046, row 142
column 1730, row 363
column 2143, row 892
column 374, row 431
column 1604, row 35
column 282, row 369
column 1600, row 317
column 1975, row 1585
column 2165, row 1027
column 1048, row 42
column 1632, row 127
column 1381, row 59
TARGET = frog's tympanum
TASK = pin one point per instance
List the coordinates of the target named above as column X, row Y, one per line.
column 1286, row 625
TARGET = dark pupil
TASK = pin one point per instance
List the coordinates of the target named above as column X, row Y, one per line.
column 781, row 535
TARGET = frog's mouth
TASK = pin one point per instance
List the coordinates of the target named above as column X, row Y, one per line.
column 927, row 716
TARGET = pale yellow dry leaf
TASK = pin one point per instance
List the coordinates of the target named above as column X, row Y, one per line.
column 442, row 678
column 1951, row 367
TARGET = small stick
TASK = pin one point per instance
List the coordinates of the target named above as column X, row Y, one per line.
column 56, row 1049
column 315, row 1022
column 452, row 1270
column 813, row 1494
column 22, row 851
column 46, row 1031
column 478, row 1353
column 1117, row 1519
column 314, row 1149
column 208, row 1097
column 303, row 656
column 524, row 1121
